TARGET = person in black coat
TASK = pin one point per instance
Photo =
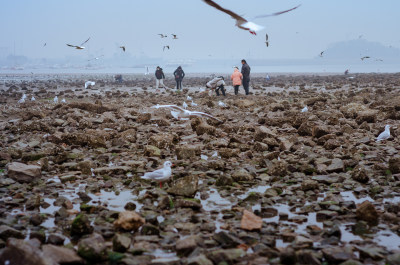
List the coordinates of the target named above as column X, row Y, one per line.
column 159, row 77
column 179, row 75
column 246, row 76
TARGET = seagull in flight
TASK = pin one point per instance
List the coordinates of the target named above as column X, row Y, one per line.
column 266, row 40
column 96, row 58
column 163, row 36
column 242, row 22
column 321, row 54
column 174, row 36
column 365, row 57
column 166, row 46
column 180, row 113
column 44, row 44
column 122, row 47
column 79, row 47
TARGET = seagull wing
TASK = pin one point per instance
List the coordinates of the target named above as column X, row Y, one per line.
column 85, row 41
column 277, row 13
column 155, row 175
column 198, row 113
column 266, row 37
column 227, row 11
column 70, row 45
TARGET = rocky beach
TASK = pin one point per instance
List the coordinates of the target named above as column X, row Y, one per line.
column 270, row 184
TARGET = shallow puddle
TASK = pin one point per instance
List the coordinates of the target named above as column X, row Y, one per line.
column 259, row 189
column 349, row 196
column 214, row 202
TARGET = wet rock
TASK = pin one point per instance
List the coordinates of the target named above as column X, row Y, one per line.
column 228, row 152
column 23, row 173
column 309, row 184
column 186, row 187
column 36, row 219
column 185, row 246
column 305, row 256
column 242, row 175
column 374, row 253
column 250, row 221
column 288, row 256
column 93, row 248
column 129, row 135
column 121, row 242
column 149, row 230
column 277, row 167
column 360, row 174
column 199, row 260
column 152, row 151
column 163, row 140
column 368, row 116
column 366, row 211
column 55, row 239
column 271, row 192
column 130, row 206
column 81, row 225
column 204, row 128
column 263, row 132
column 303, row 242
column 393, row 259
column 61, row 255
column 394, row 165
column 227, row 240
column 129, row 221
column 327, row 179
column 338, row 254
column 325, row 215
column 7, row 232
column 332, row 144
column 229, row 256
column 188, row 203
column 188, row 152
column 336, row 165
column 20, row 251
column 224, row 180
column 320, row 130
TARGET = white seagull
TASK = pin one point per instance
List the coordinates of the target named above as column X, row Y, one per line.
column 189, row 98
column 305, row 109
column 161, row 174
column 222, row 104
column 79, row 47
column 180, row 113
column 242, row 22
column 55, row 99
column 184, row 105
column 193, row 104
column 89, row 83
column 385, row 134
column 63, row 100
column 33, row 98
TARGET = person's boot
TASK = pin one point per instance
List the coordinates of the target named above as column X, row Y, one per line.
column 236, row 90
column 217, row 91
column 223, row 91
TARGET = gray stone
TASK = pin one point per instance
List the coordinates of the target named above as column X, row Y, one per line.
column 23, row 173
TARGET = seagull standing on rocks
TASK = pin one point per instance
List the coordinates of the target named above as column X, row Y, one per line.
column 161, row 174
column 55, row 99
column 33, row 98
column 305, row 109
column 384, row 135
column 89, row 83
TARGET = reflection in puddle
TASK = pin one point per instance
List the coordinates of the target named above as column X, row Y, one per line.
column 116, row 202
column 258, row 189
column 349, row 196
column 214, row 202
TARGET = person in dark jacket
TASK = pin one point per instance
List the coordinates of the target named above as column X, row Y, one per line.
column 246, row 76
column 179, row 75
column 159, row 77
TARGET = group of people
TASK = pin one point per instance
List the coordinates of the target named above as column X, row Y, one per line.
column 217, row 83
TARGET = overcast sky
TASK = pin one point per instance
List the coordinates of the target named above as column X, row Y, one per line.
column 202, row 30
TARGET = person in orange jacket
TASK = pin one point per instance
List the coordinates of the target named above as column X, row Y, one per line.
column 236, row 78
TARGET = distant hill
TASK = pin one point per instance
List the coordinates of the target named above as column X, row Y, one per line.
column 355, row 49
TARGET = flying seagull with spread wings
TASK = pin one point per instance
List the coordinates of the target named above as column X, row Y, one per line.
column 266, row 40
column 162, row 35
column 122, row 47
column 242, row 22
column 79, row 47
column 174, row 36
column 166, row 46
column 180, row 113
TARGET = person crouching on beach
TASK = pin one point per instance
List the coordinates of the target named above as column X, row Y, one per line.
column 236, row 78
column 159, row 77
column 217, row 83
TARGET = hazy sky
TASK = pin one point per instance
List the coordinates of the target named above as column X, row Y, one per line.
column 202, row 30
